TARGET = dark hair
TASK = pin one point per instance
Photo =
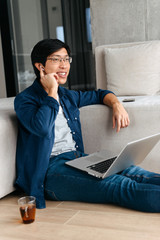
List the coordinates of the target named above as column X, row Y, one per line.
column 43, row 49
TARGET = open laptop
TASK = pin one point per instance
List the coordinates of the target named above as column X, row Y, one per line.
column 101, row 164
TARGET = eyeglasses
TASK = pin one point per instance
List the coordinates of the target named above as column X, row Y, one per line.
column 57, row 60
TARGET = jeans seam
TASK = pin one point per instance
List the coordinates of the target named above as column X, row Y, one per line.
column 139, row 176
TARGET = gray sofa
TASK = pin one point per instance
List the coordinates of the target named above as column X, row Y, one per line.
column 97, row 129
column 130, row 70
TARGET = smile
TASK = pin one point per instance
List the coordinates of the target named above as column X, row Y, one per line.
column 62, row 74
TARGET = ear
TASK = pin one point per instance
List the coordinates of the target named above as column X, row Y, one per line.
column 38, row 66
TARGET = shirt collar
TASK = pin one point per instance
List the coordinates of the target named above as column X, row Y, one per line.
column 42, row 92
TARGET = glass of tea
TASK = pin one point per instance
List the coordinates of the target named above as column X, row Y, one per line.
column 27, row 207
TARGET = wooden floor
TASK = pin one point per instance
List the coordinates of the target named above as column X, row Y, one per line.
column 76, row 221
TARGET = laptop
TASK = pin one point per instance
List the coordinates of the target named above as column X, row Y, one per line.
column 101, row 164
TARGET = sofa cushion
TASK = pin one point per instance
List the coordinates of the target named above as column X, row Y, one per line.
column 133, row 70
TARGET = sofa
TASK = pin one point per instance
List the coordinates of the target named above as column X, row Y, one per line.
column 131, row 70
column 96, row 120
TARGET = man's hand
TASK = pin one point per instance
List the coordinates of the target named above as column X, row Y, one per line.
column 49, row 83
column 120, row 116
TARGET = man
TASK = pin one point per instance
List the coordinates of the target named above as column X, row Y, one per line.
column 50, row 134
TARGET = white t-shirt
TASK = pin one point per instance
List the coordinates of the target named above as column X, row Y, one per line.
column 63, row 138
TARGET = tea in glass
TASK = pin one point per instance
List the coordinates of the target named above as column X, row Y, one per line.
column 27, row 207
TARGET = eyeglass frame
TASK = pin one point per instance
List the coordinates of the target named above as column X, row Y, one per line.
column 60, row 59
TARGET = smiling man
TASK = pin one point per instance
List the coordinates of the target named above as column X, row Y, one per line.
column 50, row 134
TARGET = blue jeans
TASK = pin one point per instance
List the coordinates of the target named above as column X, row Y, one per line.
column 133, row 188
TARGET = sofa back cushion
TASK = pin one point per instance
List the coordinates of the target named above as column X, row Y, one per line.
column 133, row 70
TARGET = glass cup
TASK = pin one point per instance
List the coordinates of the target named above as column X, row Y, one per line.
column 27, row 207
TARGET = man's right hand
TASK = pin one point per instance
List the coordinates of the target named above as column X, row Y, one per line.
column 49, row 83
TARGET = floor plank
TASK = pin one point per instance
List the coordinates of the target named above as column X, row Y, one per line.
column 77, row 221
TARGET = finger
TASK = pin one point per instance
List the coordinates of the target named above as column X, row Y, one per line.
column 123, row 123
column 128, row 121
column 56, row 76
column 41, row 72
column 114, row 122
column 126, row 124
column 118, row 125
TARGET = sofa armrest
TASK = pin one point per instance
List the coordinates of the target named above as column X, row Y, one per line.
column 96, row 125
column 8, row 141
column 98, row 134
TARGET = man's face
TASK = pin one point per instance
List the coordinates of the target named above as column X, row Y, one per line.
column 58, row 62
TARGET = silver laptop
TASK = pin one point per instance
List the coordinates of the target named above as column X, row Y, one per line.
column 101, row 164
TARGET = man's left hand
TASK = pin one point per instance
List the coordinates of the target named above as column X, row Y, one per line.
column 120, row 116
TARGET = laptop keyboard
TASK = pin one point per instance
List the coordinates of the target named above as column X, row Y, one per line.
column 103, row 166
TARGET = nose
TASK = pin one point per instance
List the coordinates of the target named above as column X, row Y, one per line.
column 63, row 63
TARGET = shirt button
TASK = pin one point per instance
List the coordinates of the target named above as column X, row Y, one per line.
column 77, row 146
column 73, row 132
column 75, row 118
column 67, row 119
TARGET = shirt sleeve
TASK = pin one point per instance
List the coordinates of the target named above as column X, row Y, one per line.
column 89, row 97
column 38, row 118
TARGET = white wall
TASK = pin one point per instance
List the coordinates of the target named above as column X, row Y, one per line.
column 120, row 21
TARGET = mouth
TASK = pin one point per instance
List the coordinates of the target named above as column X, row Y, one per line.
column 62, row 74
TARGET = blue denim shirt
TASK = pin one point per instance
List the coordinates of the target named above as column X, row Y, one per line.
column 36, row 113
